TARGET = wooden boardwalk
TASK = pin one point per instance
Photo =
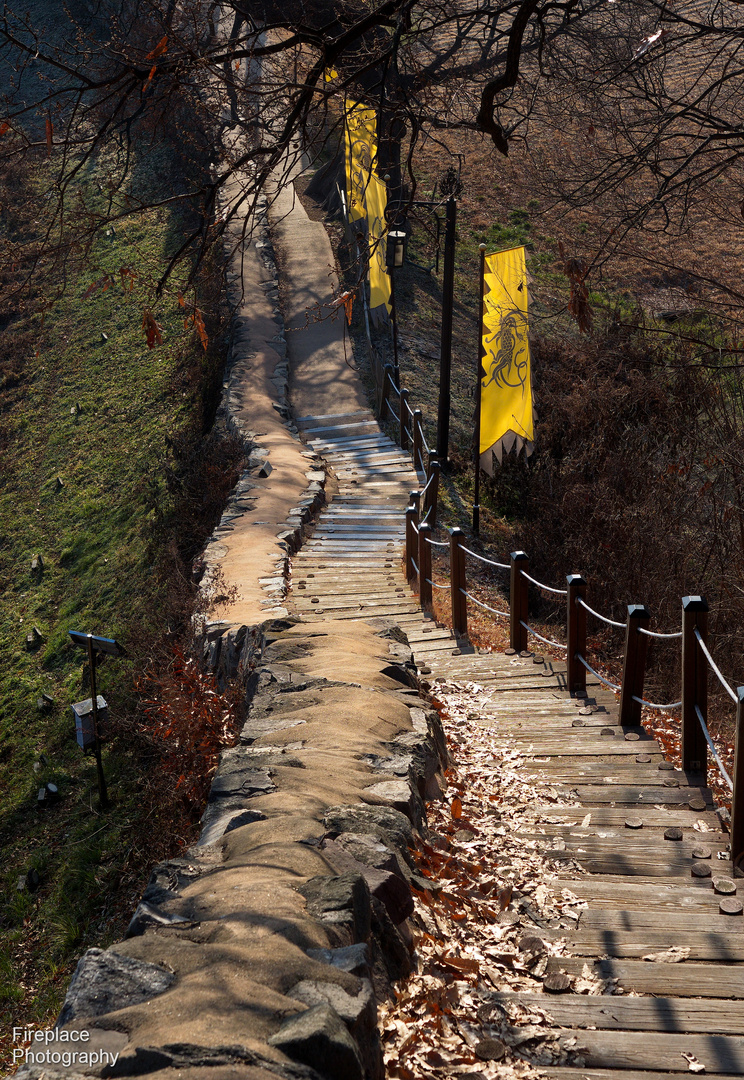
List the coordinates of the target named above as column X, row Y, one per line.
column 641, row 842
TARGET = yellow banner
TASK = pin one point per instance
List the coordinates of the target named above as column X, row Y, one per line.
column 361, row 151
column 379, row 281
column 367, row 199
column 506, row 413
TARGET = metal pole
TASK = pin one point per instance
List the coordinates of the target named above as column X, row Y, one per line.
column 102, row 792
column 445, row 351
column 476, row 494
column 394, row 320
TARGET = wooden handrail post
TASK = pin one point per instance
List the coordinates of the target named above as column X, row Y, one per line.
column 458, row 583
column 414, row 499
column 403, row 403
column 737, row 802
column 411, row 541
column 386, row 371
column 575, row 633
column 432, row 492
column 694, row 685
column 424, row 562
column 634, row 665
column 518, row 600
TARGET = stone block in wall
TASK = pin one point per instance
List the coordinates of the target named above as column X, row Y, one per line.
column 341, row 902
column 105, row 980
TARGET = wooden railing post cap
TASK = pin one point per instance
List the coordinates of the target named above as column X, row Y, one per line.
column 411, row 508
column 740, row 694
column 638, row 611
column 457, row 531
column 575, row 579
column 694, row 603
column 518, row 556
column 424, row 528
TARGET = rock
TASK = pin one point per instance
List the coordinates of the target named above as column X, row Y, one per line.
column 387, row 824
column 351, row 958
column 386, row 886
column 399, row 795
column 359, row 1013
column 104, row 981
column 391, row 959
column 318, row 1038
column 147, row 915
column 343, row 901
column 237, row 776
column 37, row 563
column 372, row 852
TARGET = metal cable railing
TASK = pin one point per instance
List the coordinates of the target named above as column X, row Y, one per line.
column 548, row 588
column 612, row 685
column 714, row 666
column 392, row 383
column 393, row 413
column 410, row 413
column 408, row 431
column 656, row 634
column 602, row 618
column 651, row 705
column 436, row 543
column 530, row 630
column 413, row 564
column 482, row 558
column 714, row 752
column 435, row 586
column 503, row 614
column 423, row 438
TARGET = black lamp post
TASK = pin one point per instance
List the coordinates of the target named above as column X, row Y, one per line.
column 394, row 256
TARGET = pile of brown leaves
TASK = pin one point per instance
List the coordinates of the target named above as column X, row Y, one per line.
column 477, row 930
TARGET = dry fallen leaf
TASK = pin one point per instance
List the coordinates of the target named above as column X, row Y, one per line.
column 692, row 1062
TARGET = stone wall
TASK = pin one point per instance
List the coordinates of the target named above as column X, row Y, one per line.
column 263, row 951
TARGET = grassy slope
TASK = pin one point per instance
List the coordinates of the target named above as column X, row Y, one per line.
column 87, row 426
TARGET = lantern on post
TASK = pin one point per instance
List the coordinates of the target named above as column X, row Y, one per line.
column 89, row 713
column 395, row 254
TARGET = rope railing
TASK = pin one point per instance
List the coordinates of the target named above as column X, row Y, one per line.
column 531, row 630
column 656, row 634
column 480, row 603
column 483, row 559
column 541, row 585
column 660, row 708
column 588, row 666
column 723, row 681
column 695, row 739
column 602, row 618
column 729, row 782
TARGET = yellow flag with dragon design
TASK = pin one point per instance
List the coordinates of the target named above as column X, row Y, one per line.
column 506, row 410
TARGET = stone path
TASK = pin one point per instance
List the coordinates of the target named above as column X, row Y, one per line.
column 640, row 842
